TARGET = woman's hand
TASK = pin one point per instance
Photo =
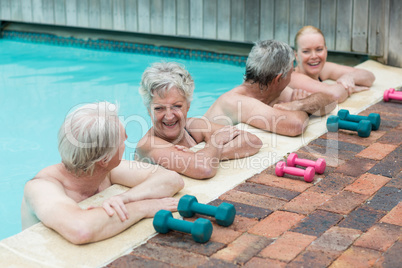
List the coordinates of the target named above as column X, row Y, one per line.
column 346, row 81
column 182, row 148
column 299, row 94
column 151, row 206
column 224, row 135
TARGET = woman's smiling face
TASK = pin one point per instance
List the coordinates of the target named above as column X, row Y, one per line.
column 311, row 54
column 169, row 115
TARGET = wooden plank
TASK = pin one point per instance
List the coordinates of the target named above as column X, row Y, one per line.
column 106, row 14
column 60, row 12
column 328, row 19
column 119, row 22
column 395, row 34
column 281, row 29
column 267, row 19
column 344, row 25
column 377, row 29
column 237, row 24
column 37, row 11
column 360, row 26
column 156, row 16
column 312, row 10
column 252, row 21
column 223, row 20
column 26, row 11
column 209, row 19
column 131, row 15
column 296, row 19
column 5, row 8
column 94, row 14
column 71, row 12
column 169, row 17
column 183, row 17
column 16, row 10
column 144, row 24
column 387, row 12
column 196, row 25
column 82, row 13
column 48, row 11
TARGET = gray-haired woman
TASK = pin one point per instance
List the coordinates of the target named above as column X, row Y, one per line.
column 167, row 90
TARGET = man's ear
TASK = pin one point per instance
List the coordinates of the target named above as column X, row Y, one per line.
column 103, row 163
column 277, row 78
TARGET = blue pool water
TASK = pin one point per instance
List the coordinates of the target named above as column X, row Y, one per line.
column 40, row 83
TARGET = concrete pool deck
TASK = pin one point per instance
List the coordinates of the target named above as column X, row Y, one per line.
column 349, row 215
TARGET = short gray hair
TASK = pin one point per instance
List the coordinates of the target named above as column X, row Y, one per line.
column 89, row 134
column 161, row 77
column 266, row 60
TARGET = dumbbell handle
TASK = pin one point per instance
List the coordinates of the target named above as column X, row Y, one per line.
column 347, row 125
column 178, row 225
column 305, row 162
column 204, row 209
column 395, row 96
column 294, row 171
column 356, row 118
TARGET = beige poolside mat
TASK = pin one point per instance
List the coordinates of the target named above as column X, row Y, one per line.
column 39, row 246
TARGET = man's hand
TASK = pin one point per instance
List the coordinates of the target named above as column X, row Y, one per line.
column 224, row 135
column 116, row 203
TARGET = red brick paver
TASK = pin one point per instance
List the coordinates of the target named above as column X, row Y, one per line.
column 368, row 184
column 357, row 257
column 306, row 202
column 380, row 237
column 276, row 224
column 350, row 216
column 287, row 247
column 377, row 151
column 394, row 216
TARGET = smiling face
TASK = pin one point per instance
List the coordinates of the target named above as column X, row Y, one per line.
column 311, row 54
column 169, row 114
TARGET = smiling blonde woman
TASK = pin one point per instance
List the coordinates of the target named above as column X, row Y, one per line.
column 312, row 68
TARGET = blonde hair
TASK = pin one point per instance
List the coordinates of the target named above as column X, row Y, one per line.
column 161, row 77
column 305, row 30
column 89, row 134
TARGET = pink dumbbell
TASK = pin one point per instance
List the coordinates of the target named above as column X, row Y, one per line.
column 391, row 94
column 281, row 169
column 318, row 165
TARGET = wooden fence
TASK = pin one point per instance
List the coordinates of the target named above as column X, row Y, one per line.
column 371, row 27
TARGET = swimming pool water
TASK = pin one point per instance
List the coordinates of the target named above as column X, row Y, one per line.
column 40, row 83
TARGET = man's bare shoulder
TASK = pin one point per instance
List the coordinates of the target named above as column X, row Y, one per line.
column 48, row 175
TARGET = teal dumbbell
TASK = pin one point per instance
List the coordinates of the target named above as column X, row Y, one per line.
column 201, row 229
column 374, row 118
column 363, row 128
column 224, row 214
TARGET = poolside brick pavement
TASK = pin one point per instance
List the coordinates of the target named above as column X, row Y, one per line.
column 350, row 216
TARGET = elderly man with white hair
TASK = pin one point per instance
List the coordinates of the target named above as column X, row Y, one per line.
column 91, row 145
